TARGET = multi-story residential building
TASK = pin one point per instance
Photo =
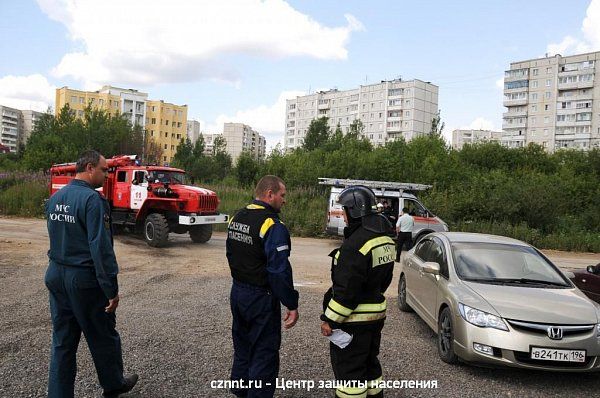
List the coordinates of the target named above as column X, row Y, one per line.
column 461, row 137
column 209, row 140
column 29, row 119
column 193, row 130
column 166, row 124
column 10, row 126
column 552, row 101
column 240, row 138
column 113, row 99
column 133, row 103
column 78, row 100
column 388, row 110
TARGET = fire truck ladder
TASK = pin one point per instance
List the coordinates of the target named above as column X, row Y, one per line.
column 386, row 185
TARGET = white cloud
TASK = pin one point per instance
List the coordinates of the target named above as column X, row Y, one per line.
column 500, row 83
column 480, row 123
column 268, row 120
column 144, row 42
column 27, row 92
column 590, row 29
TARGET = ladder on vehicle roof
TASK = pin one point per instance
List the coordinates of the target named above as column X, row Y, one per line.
column 404, row 186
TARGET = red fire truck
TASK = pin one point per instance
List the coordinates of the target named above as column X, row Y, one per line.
column 152, row 200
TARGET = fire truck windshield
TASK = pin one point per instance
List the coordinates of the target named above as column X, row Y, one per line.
column 171, row 177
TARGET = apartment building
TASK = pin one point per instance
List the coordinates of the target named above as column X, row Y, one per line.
column 241, row 137
column 29, row 119
column 209, row 140
column 193, row 130
column 10, row 125
column 133, row 103
column 552, row 101
column 460, row 137
column 388, row 110
column 78, row 100
column 166, row 124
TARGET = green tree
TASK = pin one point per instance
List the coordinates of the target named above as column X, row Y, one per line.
column 355, row 129
column 317, row 134
column 219, row 145
column 246, row 168
column 199, row 147
column 183, row 158
column 437, row 126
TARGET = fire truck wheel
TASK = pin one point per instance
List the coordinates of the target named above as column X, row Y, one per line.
column 156, row 230
column 201, row 233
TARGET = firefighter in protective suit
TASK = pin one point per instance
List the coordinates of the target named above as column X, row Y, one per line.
column 361, row 272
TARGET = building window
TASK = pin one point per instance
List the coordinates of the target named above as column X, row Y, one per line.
column 407, row 113
column 548, row 82
column 178, row 136
column 166, row 135
column 533, row 120
column 548, row 94
column 534, row 84
column 535, row 72
column 166, row 146
column 81, row 100
column 164, row 158
column 546, row 107
column 73, row 99
column 548, row 70
column 546, row 119
column 153, row 120
column 533, row 108
column 172, row 147
column 166, row 122
column 534, row 96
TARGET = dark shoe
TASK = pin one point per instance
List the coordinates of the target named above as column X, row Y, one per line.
column 130, row 382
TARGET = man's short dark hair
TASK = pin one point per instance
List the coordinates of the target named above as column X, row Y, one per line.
column 92, row 157
column 405, row 210
column 268, row 182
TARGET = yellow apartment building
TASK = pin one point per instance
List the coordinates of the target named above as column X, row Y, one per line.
column 167, row 124
column 78, row 100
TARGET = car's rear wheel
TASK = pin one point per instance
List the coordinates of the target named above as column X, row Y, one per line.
column 445, row 342
column 402, row 304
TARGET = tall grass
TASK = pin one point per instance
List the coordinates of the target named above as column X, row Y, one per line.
column 23, row 194
column 582, row 241
column 304, row 213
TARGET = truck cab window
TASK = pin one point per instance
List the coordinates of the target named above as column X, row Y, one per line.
column 122, row 176
column 414, row 208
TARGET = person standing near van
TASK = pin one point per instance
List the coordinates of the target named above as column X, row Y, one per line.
column 404, row 228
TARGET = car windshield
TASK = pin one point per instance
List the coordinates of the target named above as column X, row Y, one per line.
column 163, row 176
column 503, row 263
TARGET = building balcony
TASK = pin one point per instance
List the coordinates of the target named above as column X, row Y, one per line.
column 578, row 97
column 574, row 123
column 514, row 125
column 575, row 85
column 515, row 102
column 323, row 106
column 521, row 113
column 566, row 111
column 510, row 76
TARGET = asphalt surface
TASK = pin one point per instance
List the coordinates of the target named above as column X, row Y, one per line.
column 174, row 321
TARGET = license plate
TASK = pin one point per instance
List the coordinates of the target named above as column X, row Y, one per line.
column 551, row 354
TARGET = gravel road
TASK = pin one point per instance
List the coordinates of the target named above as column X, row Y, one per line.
column 174, row 321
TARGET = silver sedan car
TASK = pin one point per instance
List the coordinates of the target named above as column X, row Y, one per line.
column 497, row 301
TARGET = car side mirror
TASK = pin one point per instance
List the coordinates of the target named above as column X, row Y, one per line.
column 591, row 269
column 431, row 267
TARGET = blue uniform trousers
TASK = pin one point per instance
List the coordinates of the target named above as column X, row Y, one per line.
column 256, row 334
column 77, row 305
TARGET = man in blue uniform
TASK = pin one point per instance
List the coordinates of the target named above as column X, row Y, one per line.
column 258, row 248
column 82, row 281
column 361, row 272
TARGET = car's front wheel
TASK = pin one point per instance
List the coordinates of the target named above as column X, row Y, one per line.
column 402, row 304
column 445, row 342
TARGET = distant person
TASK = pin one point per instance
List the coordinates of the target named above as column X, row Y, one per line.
column 82, row 281
column 258, row 248
column 404, row 228
column 388, row 211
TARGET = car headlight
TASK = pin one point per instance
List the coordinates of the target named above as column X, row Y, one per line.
column 481, row 319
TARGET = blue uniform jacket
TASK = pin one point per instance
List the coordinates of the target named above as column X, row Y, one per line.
column 79, row 227
column 277, row 249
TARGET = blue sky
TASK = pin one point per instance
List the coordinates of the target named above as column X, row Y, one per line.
column 238, row 60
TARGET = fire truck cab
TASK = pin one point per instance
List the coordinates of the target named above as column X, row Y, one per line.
column 152, row 200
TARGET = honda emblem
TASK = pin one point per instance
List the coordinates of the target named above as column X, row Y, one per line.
column 555, row 333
